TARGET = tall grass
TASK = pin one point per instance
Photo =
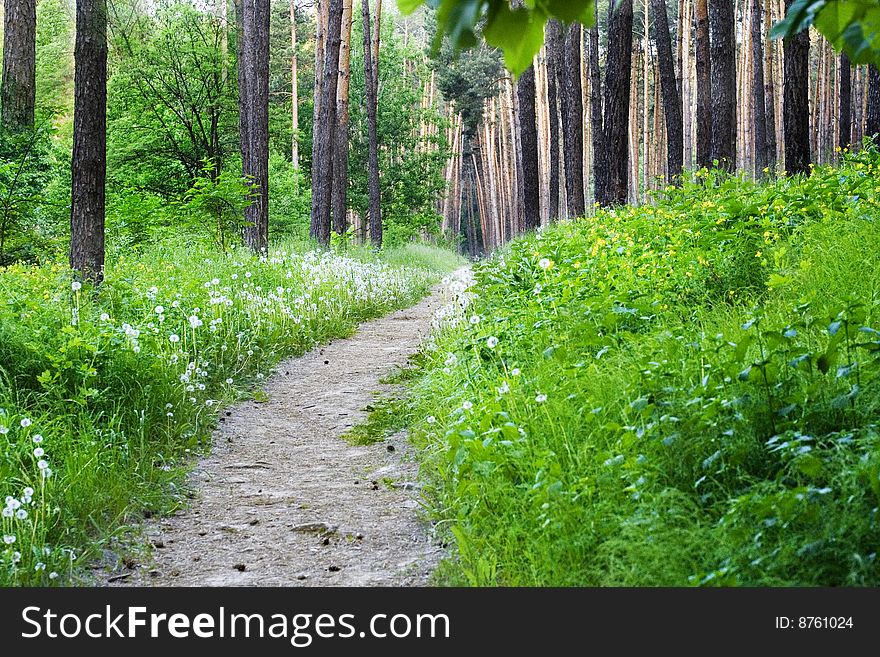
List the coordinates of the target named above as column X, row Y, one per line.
column 685, row 393
column 104, row 394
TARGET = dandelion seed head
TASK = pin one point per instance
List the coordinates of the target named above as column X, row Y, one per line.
column 466, row 405
column 21, row 514
column 42, row 464
column 105, row 317
column 545, row 263
column 9, row 539
column 159, row 310
column 515, row 371
column 491, row 342
column 25, row 423
column 430, row 419
column 37, row 438
column 76, row 286
column 540, row 398
column 38, row 452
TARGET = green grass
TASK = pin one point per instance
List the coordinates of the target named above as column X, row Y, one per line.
column 116, row 388
column 684, row 393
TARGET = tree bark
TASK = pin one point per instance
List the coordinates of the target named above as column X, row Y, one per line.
column 19, row 64
column 597, row 131
column 796, row 108
column 618, row 72
column 845, row 107
column 294, row 90
column 88, row 166
column 325, row 123
column 531, row 204
column 723, row 54
column 256, row 104
column 340, row 134
column 769, row 91
column 554, row 69
column 762, row 147
column 872, row 115
column 371, row 77
column 572, row 122
column 703, row 62
column 669, row 88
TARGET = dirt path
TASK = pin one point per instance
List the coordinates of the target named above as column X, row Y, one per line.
column 284, row 501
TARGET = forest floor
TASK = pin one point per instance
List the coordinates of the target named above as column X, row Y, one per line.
column 284, row 500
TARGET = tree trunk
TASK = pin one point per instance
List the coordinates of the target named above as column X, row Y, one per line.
column 371, row 77
column 572, row 122
column 669, row 87
column 618, row 71
column 525, row 91
column 325, row 122
column 19, row 64
column 88, row 166
column 703, row 63
column 340, row 133
column 769, row 92
column 723, row 54
column 596, row 123
column 255, row 104
column 872, row 116
column 845, row 111
column 796, row 107
column 554, row 69
column 762, row 148
column 294, row 90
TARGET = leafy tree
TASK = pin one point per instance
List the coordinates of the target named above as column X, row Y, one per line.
column 171, row 106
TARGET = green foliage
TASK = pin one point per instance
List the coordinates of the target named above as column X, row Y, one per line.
column 104, row 395
column 519, row 33
column 684, row 393
column 220, row 199
column 171, row 101
column 413, row 149
column 852, row 26
column 25, row 171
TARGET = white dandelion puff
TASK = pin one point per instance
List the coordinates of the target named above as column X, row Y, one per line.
column 540, row 398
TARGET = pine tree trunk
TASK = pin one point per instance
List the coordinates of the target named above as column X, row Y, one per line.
column 597, row 129
column 525, row 91
column 669, row 88
column 572, row 122
column 371, row 77
column 294, row 90
column 256, row 104
column 845, row 107
column 704, row 85
column 554, row 68
column 684, row 45
column 325, row 123
column 340, row 134
column 761, row 147
column 723, row 55
column 872, row 115
column 19, row 64
column 769, row 92
column 796, row 107
column 618, row 71
column 88, row 165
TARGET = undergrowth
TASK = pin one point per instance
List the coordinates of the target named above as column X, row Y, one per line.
column 105, row 393
column 683, row 393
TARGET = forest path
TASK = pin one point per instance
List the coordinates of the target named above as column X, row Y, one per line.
column 284, row 500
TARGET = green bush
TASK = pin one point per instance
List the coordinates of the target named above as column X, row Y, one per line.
column 115, row 388
column 684, row 393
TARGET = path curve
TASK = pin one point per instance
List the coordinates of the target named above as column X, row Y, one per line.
column 283, row 500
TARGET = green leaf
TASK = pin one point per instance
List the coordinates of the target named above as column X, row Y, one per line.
column 810, row 465
column 518, row 33
column 570, row 11
column 409, row 6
